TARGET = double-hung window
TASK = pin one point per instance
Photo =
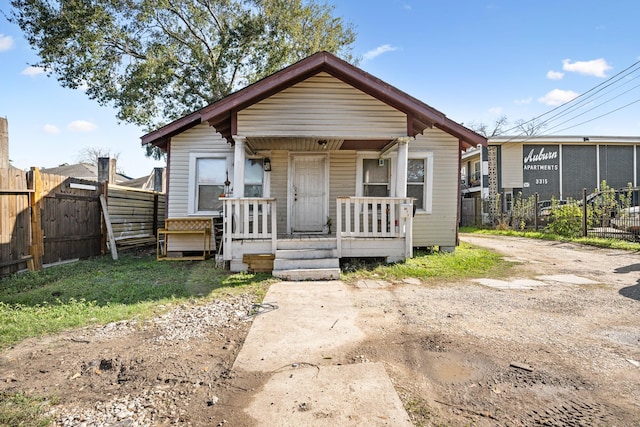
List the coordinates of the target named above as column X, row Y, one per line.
column 477, row 173
column 207, row 175
column 254, row 178
column 420, row 180
column 375, row 177
column 210, row 176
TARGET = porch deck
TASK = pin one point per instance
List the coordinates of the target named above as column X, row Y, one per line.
column 364, row 227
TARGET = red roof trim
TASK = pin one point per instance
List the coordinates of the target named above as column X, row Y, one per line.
column 160, row 137
column 223, row 113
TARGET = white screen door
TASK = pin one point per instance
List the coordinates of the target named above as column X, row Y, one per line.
column 309, row 198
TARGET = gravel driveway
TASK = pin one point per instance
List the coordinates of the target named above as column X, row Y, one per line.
column 556, row 342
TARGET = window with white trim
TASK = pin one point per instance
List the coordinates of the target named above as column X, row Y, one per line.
column 210, row 177
column 207, row 174
column 254, row 178
column 477, row 172
column 420, row 180
column 375, row 177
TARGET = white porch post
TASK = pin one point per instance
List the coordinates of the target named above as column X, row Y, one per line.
column 401, row 167
column 238, row 166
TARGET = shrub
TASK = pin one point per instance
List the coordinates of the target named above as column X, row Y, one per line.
column 566, row 220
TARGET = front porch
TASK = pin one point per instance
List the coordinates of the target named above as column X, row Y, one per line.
column 360, row 227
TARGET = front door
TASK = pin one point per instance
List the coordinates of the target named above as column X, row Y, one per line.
column 309, row 194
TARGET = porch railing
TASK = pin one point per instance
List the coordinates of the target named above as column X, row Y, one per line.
column 248, row 218
column 374, row 217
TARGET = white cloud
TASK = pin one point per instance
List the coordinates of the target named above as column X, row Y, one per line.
column 83, row 86
column 378, row 51
column 6, row 42
column 555, row 75
column 523, row 101
column 32, row 71
column 81, row 126
column 558, row 97
column 495, row 110
column 595, row 67
column 50, row 129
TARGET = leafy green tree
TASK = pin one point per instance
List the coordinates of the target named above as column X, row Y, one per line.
column 156, row 60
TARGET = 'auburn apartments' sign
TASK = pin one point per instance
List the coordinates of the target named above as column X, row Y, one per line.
column 541, row 170
column 541, row 160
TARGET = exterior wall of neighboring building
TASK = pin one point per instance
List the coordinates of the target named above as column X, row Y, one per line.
column 511, row 172
column 561, row 167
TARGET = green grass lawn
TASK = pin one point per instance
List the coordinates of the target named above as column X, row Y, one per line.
column 100, row 290
column 465, row 262
column 591, row 241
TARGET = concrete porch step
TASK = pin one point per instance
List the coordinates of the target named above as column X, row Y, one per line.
column 307, row 259
column 302, row 244
column 298, row 275
column 305, row 263
column 306, row 253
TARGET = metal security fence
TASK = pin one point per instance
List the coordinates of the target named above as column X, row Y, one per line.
column 608, row 213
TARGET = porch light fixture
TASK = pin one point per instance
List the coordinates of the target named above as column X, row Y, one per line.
column 227, row 185
column 266, row 164
column 322, row 143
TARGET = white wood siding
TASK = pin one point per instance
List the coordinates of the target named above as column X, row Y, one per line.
column 439, row 228
column 342, row 179
column 322, row 106
column 279, row 186
column 511, row 165
column 203, row 139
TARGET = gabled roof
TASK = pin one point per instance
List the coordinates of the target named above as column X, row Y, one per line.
column 221, row 114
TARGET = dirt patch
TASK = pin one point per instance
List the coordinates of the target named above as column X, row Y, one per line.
column 173, row 370
column 563, row 354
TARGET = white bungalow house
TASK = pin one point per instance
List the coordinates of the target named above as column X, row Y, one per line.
column 314, row 163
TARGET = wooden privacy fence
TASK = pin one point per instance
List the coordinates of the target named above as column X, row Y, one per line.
column 70, row 224
column 46, row 218
column 15, row 221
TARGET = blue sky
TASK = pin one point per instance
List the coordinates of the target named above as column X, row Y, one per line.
column 473, row 60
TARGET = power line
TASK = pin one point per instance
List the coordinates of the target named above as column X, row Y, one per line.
column 575, row 103
column 602, row 115
column 589, row 98
column 595, row 107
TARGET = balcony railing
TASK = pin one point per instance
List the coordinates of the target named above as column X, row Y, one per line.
column 471, row 180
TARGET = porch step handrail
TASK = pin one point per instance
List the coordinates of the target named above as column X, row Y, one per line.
column 374, row 217
column 248, row 218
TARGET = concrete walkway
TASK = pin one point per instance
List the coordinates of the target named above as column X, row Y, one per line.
column 296, row 346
